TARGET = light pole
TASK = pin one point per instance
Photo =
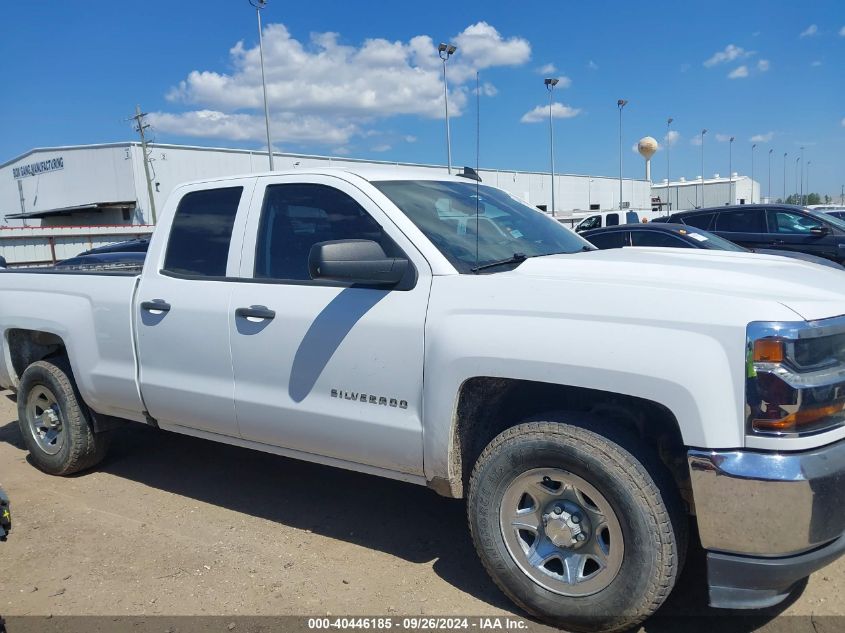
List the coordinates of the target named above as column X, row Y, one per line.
column 753, row 147
column 769, row 196
column 668, row 130
column 809, row 162
column 797, row 171
column 621, row 103
column 260, row 4
column 446, row 51
column 551, row 82
column 802, row 177
column 784, row 177
column 703, row 132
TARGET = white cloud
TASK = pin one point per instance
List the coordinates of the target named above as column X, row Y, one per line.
column 842, row 32
column 671, row 138
column 410, row 138
column 762, row 138
column 594, row 66
column 383, row 147
column 810, row 31
column 816, row 63
column 731, row 53
column 541, row 113
column 740, row 72
column 723, row 138
column 325, row 91
column 695, row 140
column 487, row 89
column 546, row 69
column 763, row 65
column 842, row 122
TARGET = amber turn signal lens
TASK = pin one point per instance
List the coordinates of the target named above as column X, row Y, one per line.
column 768, row 351
column 795, row 421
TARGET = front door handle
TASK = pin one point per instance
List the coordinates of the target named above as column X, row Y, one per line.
column 778, row 243
column 156, row 305
column 256, row 312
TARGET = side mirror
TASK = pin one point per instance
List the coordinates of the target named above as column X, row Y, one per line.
column 819, row 231
column 355, row 261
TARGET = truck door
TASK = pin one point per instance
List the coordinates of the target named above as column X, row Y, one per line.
column 321, row 367
column 182, row 310
column 802, row 233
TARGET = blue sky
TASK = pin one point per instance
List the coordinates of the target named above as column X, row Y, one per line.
column 72, row 72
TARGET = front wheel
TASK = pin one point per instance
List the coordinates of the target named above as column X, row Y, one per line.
column 574, row 528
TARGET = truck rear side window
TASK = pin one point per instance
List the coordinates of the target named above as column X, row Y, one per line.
column 201, row 232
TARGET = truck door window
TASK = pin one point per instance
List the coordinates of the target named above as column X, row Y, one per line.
column 201, row 232
column 615, row 239
column 612, row 219
column 294, row 217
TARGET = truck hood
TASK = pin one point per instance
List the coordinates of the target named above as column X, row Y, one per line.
column 811, row 291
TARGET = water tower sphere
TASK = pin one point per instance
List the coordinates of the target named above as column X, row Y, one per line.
column 647, row 147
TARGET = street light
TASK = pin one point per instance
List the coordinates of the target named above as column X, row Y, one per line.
column 753, row 147
column 809, row 162
column 668, row 130
column 770, row 176
column 797, row 172
column 621, row 104
column 446, row 51
column 260, row 4
column 802, row 176
column 784, row 177
column 703, row 132
column 551, row 82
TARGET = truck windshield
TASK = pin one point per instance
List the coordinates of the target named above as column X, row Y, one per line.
column 501, row 228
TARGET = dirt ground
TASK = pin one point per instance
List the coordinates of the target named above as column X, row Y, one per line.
column 175, row 525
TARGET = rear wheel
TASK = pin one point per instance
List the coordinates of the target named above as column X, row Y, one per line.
column 55, row 423
column 574, row 527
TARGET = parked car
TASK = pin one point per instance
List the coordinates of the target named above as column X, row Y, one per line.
column 601, row 219
column 136, row 245
column 298, row 313
column 835, row 210
column 104, row 261
column 683, row 236
column 772, row 226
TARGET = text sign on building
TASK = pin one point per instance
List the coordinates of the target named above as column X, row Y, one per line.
column 41, row 167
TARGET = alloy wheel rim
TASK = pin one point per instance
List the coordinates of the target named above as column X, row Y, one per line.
column 44, row 418
column 561, row 532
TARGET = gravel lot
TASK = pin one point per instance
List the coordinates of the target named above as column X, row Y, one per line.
column 173, row 525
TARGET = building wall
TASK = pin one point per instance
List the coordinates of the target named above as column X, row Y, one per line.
column 713, row 193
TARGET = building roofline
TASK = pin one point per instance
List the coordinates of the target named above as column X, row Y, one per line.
column 234, row 150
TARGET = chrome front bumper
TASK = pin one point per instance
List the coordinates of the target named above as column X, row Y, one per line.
column 768, row 504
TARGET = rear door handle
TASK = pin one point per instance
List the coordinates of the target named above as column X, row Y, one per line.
column 156, row 305
column 256, row 312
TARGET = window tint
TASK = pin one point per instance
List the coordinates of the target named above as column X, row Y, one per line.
column 741, row 221
column 297, row 216
column 593, row 222
column 631, row 217
column 789, row 222
column 703, row 221
column 653, row 238
column 616, row 239
column 612, row 219
column 201, row 232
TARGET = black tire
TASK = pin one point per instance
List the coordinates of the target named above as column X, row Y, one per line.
column 80, row 447
column 636, row 487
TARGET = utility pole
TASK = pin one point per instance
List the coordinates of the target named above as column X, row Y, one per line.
column 260, row 4
column 784, row 177
column 621, row 103
column 445, row 51
column 770, row 176
column 140, row 126
column 703, row 132
column 753, row 147
column 551, row 82
column 802, row 177
column 668, row 176
column 731, row 197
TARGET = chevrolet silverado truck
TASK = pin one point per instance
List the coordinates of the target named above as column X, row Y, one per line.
column 589, row 405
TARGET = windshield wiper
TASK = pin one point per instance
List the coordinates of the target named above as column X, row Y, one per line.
column 516, row 258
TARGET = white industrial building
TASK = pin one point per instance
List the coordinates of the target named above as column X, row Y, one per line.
column 710, row 192
column 101, row 191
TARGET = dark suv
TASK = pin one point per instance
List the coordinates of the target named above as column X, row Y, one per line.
column 772, row 226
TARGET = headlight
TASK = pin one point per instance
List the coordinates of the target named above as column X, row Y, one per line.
column 795, row 377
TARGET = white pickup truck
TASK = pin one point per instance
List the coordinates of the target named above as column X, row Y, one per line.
column 438, row 331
